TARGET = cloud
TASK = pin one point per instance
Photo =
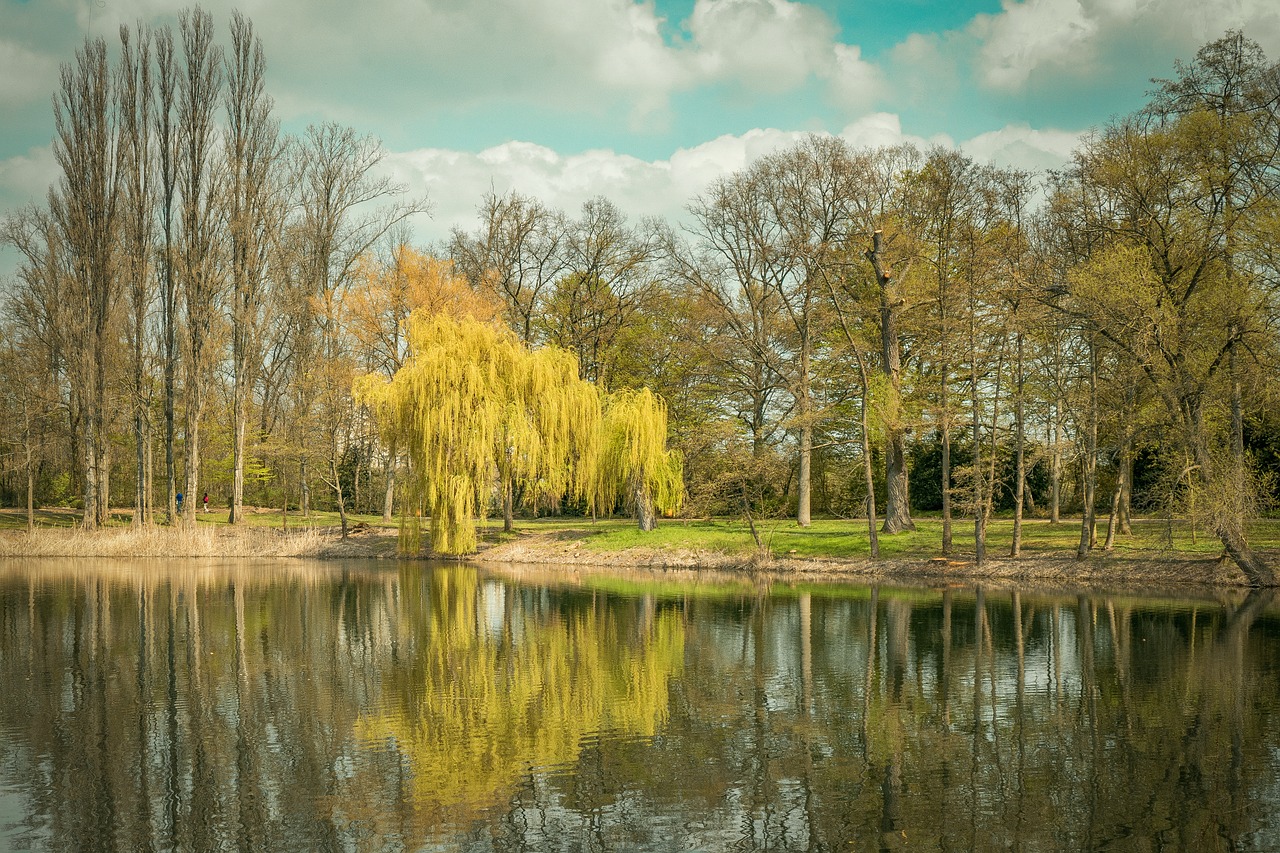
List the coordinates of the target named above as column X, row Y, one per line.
column 330, row 59
column 27, row 177
column 1031, row 34
column 1020, row 147
column 879, row 130
column 457, row 181
column 768, row 45
column 25, row 76
column 566, row 56
column 1030, row 41
column 776, row 46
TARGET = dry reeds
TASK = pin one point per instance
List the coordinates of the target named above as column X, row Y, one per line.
column 166, row 542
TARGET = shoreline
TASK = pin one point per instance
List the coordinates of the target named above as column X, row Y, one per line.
column 1167, row 571
column 567, row 553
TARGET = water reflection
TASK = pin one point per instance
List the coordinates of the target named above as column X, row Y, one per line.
column 286, row 706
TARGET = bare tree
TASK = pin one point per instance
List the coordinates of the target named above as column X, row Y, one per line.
column 136, row 99
column 166, row 142
column 85, row 206
column 338, row 222
column 200, row 264
column 724, row 267
column 517, row 253
column 610, row 274
column 879, row 203
column 808, row 189
column 254, row 216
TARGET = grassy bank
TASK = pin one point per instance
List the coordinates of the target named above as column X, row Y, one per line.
column 848, row 538
column 1157, row 553
column 1157, row 550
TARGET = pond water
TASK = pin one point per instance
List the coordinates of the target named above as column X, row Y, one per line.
column 369, row 706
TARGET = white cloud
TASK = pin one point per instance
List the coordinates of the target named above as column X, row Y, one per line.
column 1021, row 147
column 1083, row 38
column 854, row 82
column 570, row 55
column 576, row 54
column 457, row 181
column 775, row 46
column 26, row 177
column 768, row 45
column 1027, row 35
column 878, row 130
column 25, row 76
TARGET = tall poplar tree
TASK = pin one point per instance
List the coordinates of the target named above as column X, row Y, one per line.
column 254, row 217
column 136, row 99
column 200, row 263
column 86, row 205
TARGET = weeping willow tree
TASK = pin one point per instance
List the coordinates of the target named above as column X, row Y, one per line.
column 548, row 441
column 635, row 461
column 471, row 401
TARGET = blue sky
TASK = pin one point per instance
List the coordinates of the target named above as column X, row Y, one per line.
column 647, row 102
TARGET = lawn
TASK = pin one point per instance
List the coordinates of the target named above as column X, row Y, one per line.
column 838, row 538
column 848, row 538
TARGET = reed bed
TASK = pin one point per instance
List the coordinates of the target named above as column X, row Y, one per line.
column 169, row 542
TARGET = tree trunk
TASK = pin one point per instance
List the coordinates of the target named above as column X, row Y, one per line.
column 804, row 485
column 1088, row 522
column 1228, row 526
column 240, row 418
column 508, row 504
column 104, row 479
column 1256, row 569
column 170, row 408
column 805, row 479
column 1113, row 519
column 337, row 490
column 978, row 479
column 1020, row 463
column 31, row 475
column 151, row 472
column 304, row 489
column 946, row 465
column 1126, row 492
column 867, row 472
column 897, row 512
column 388, row 497
column 1055, row 468
column 192, row 461
column 645, row 515
column 139, row 438
column 89, row 518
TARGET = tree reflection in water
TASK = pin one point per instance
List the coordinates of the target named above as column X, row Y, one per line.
column 287, row 706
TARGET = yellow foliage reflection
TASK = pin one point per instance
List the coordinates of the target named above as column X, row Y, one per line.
column 502, row 690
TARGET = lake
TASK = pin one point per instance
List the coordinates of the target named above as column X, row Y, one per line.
column 291, row 705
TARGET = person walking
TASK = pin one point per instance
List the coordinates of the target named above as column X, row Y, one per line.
column 206, row 501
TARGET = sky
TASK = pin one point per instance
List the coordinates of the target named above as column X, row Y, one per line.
column 645, row 103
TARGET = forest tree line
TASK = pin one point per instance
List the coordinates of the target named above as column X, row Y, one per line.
column 864, row 333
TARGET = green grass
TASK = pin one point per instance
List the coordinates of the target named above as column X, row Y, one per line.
column 836, row 538
column 848, row 538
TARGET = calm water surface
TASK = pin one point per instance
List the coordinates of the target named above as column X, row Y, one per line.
column 293, row 706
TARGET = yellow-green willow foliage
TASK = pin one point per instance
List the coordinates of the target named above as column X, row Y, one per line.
column 635, row 460
column 470, row 402
column 481, row 704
